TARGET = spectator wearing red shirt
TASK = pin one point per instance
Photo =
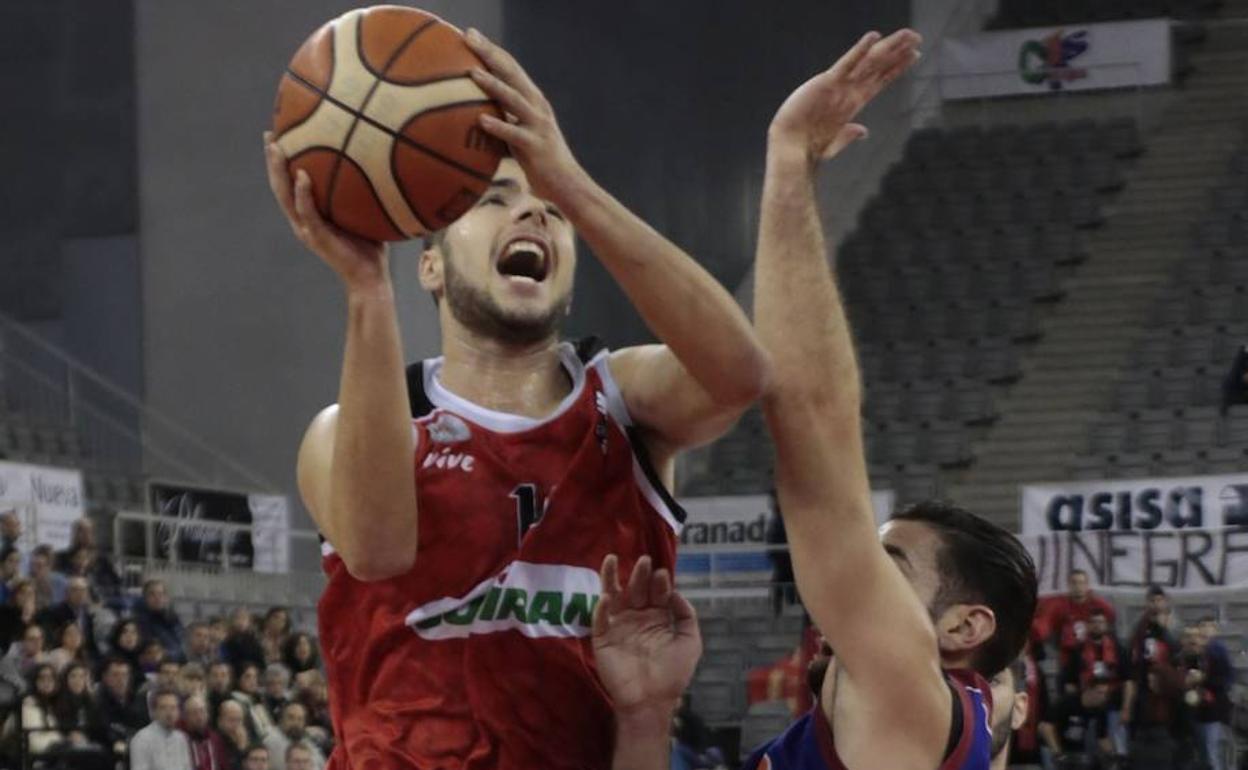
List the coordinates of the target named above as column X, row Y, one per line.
column 1070, row 614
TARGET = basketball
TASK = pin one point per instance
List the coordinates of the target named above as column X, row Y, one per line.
column 378, row 108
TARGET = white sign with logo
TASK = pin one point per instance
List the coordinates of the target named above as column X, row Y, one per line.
column 739, row 520
column 1043, row 60
column 270, row 532
column 48, row 499
column 1187, row 533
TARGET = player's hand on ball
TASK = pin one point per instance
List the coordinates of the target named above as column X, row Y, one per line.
column 361, row 263
column 646, row 638
column 532, row 132
column 816, row 118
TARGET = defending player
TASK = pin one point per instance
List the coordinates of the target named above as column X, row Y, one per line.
column 916, row 615
column 457, row 617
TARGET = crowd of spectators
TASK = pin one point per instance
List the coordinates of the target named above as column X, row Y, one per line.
column 1158, row 699
column 94, row 678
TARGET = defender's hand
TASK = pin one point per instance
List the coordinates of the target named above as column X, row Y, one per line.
column 360, row 263
column 531, row 131
column 646, row 640
column 816, row 118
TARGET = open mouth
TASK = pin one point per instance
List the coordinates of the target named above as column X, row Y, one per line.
column 525, row 259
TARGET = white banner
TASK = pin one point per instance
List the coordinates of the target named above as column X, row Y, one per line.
column 740, row 519
column 1186, row 533
column 1040, row 60
column 47, row 499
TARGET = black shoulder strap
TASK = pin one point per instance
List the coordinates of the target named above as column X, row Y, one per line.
column 956, row 723
column 416, row 396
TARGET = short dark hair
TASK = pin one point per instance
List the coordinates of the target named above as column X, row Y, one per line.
column 165, row 692
column 1095, row 611
column 114, row 660
column 981, row 563
column 253, row 748
column 1155, row 590
column 1207, row 619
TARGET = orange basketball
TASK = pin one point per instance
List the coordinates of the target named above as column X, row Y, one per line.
column 378, row 107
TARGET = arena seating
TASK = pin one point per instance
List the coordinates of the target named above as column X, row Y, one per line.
column 969, row 221
column 1165, row 417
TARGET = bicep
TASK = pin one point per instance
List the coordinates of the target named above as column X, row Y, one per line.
column 664, row 399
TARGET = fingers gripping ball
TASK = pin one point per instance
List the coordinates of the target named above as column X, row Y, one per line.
column 379, row 109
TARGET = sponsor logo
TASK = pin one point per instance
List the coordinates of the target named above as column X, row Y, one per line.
column 538, row 600
column 446, row 428
column 1235, row 505
column 445, row 459
column 1048, row 60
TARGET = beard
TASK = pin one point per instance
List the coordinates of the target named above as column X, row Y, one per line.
column 477, row 310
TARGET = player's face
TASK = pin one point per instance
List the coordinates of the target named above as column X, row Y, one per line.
column 914, row 548
column 505, row 268
column 1079, row 586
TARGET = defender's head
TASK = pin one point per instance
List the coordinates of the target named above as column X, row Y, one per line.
column 504, row 269
column 976, row 580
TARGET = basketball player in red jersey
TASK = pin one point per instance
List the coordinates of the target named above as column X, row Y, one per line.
column 467, row 503
column 916, row 615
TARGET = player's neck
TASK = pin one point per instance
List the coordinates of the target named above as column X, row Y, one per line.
column 527, row 380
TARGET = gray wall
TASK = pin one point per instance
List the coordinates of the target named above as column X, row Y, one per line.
column 242, row 328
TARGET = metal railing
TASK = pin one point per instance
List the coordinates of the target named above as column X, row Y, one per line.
column 106, row 427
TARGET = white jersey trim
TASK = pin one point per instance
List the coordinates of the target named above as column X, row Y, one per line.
column 618, row 410
column 502, row 422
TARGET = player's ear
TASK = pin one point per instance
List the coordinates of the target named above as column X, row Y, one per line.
column 1018, row 715
column 966, row 626
column 432, row 269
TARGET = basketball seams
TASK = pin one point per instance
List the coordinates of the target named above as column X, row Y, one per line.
column 398, row 51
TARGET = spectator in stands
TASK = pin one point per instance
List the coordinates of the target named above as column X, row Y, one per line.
column 150, row 659
column 10, row 530
column 10, row 570
column 1071, row 614
column 220, row 684
column 257, row 758
column 1070, row 731
column 1210, row 683
column 292, row 732
column 29, row 652
column 17, row 613
column 76, row 609
column 74, row 705
column 118, row 713
column 274, row 632
column 301, row 757
column 71, row 647
column 165, row 677
column 126, row 643
column 49, row 585
column 232, row 725
column 219, row 630
column 301, row 653
column 193, row 680
column 247, row 692
column 208, row 751
column 313, row 692
column 38, row 723
column 243, row 646
column 1009, row 710
column 1102, row 657
column 199, row 646
column 1151, row 694
column 161, row 745
column 158, row 620
column 105, row 583
column 1235, row 387
column 276, row 687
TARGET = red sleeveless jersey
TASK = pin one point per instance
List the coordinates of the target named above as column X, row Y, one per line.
column 480, row 656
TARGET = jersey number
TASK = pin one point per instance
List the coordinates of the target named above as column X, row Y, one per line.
column 529, row 508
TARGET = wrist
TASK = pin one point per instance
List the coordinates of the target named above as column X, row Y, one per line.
column 370, row 292
column 786, row 154
column 645, row 721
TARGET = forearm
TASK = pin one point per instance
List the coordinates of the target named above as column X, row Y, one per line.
column 643, row 741
column 681, row 303
column 372, row 489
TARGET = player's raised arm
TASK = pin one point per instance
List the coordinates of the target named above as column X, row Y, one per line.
column 646, row 646
column 355, row 463
column 690, row 389
column 879, row 630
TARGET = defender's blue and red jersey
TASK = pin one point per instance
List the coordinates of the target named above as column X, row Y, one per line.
column 808, row 744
